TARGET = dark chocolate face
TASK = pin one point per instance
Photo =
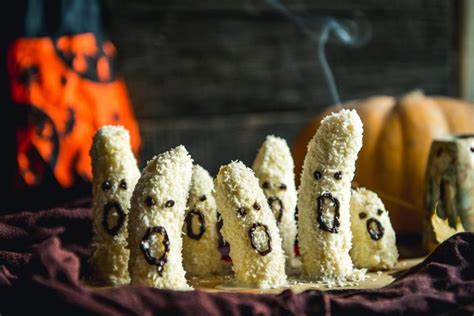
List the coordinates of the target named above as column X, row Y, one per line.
column 242, row 211
column 374, row 228
column 277, row 207
column 195, row 218
column 150, row 202
column 319, row 174
column 275, row 203
column 327, row 211
column 267, row 185
column 113, row 215
column 327, row 205
column 113, row 218
column 260, row 239
column 155, row 246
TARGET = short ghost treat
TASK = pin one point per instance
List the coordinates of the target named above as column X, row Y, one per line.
column 250, row 228
column 156, row 221
column 373, row 244
column 115, row 174
column 201, row 256
column 274, row 168
column 324, row 196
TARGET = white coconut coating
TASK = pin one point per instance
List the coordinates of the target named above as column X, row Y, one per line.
column 328, row 169
column 248, row 220
column 373, row 242
column 201, row 256
column 159, row 202
column 274, row 168
column 115, row 174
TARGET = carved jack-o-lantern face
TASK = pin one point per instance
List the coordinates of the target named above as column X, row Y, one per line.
column 40, row 130
column 88, row 56
column 61, row 81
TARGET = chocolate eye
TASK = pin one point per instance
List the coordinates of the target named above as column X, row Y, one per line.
column 106, row 185
column 379, row 211
column 256, row 206
column 338, row 175
column 150, row 201
column 123, row 185
column 169, row 203
column 203, row 198
column 362, row 215
column 283, row 186
column 318, row 175
column 266, row 185
column 242, row 211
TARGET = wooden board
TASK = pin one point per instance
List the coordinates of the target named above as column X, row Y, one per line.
column 224, row 283
column 231, row 57
column 298, row 284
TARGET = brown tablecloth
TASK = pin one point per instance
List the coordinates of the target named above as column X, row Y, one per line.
column 42, row 253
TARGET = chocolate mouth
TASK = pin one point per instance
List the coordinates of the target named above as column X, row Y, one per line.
column 110, row 209
column 277, row 207
column 150, row 246
column 260, row 239
column 328, row 213
column 375, row 229
column 189, row 224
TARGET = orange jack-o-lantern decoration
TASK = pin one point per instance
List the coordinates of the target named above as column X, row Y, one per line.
column 86, row 55
column 68, row 89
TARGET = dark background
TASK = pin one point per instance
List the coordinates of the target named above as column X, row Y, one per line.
column 218, row 76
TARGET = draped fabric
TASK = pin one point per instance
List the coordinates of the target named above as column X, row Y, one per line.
column 63, row 86
column 43, row 258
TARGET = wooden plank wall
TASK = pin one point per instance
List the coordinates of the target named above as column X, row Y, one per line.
column 217, row 76
column 466, row 53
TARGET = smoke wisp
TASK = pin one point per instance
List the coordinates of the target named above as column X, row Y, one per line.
column 320, row 29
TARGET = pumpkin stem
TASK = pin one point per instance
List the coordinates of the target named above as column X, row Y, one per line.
column 415, row 93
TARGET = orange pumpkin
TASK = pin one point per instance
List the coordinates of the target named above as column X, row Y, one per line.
column 397, row 137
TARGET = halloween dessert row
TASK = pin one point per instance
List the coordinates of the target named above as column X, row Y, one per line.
column 155, row 228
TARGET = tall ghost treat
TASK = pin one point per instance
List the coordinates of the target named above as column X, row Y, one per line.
column 250, row 228
column 373, row 243
column 201, row 256
column 274, row 168
column 156, row 221
column 115, row 174
column 324, row 196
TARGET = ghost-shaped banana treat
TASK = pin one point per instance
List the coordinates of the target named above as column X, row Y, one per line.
column 250, row 228
column 373, row 243
column 115, row 174
column 274, row 168
column 201, row 255
column 324, row 195
column 156, row 221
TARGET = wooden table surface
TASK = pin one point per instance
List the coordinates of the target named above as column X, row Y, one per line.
column 297, row 284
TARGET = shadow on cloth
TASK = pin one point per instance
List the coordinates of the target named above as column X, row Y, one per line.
column 41, row 255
